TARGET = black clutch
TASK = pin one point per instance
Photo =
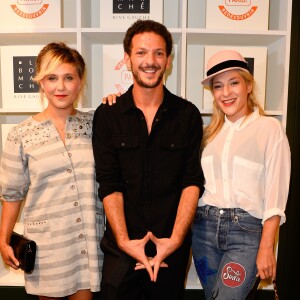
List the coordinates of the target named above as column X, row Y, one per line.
column 24, row 251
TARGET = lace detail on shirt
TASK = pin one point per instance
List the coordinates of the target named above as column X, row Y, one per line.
column 32, row 133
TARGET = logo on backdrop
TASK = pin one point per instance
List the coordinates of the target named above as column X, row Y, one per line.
column 125, row 76
column 131, row 6
column 24, row 72
column 233, row 275
column 238, row 10
column 29, row 9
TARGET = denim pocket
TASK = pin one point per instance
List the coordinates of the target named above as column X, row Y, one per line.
column 199, row 215
column 249, row 223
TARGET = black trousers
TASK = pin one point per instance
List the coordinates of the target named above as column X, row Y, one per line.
column 121, row 282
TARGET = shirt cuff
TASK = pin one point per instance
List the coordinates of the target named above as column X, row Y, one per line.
column 274, row 212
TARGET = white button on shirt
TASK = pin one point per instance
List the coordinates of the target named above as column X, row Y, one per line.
column 247, row 165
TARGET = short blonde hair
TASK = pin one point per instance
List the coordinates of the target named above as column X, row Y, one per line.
column 55, row 54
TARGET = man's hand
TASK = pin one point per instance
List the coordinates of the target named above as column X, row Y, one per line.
column 110, row 99
column 136, row 249
column 164, row 247
column 140, row 266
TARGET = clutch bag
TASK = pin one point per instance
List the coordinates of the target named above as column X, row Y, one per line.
column 24, row 251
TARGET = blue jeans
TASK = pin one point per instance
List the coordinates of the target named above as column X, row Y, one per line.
column 225, row 244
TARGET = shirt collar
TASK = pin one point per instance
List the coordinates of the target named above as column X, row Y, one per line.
column 127, row 103
column 242, row 122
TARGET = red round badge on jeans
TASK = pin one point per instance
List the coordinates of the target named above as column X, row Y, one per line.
column 233, row 275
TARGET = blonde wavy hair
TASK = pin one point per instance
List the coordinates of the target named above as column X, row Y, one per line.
column 218, row 117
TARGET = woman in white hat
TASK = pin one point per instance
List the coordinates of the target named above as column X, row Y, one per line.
column 246, row 163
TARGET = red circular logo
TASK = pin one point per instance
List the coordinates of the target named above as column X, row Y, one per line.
column 233, row 274
column 237, row 17
column 29, row 9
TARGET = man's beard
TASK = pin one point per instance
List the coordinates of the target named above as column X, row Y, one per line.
column 144, row 84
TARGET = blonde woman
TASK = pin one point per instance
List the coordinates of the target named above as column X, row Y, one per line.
column 246, row 164
column 48, row 163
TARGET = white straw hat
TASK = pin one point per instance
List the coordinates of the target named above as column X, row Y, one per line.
column 223, row 61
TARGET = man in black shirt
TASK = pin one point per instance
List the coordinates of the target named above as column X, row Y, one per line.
column 146, row 150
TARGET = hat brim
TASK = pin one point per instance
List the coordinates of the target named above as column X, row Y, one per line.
column 206, row 81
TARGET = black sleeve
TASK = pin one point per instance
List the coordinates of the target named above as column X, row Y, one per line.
column 193, row 172
column 106, row 161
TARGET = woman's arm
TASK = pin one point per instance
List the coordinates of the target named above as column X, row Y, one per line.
column 266, row 261
column 10, row 212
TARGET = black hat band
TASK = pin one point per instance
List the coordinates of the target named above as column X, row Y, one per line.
column 227, row 64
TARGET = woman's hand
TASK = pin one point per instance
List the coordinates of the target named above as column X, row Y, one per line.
column 8, row 256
